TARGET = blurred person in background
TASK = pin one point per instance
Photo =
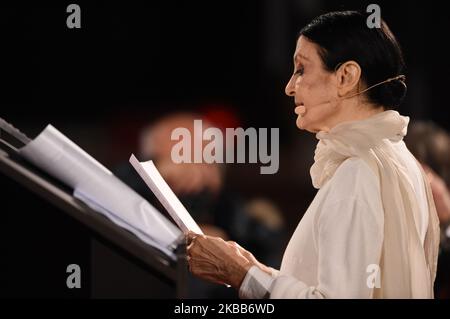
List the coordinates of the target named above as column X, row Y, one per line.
column 430, row 144
column 257, row 223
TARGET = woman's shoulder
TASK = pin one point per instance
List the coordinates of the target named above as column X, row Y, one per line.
column 354, row 188
column 353, row 169
column 355, row 179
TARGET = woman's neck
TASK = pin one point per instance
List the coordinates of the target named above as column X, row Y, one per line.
column 354, row 112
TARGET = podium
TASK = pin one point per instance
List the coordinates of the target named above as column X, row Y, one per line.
column 47, row 229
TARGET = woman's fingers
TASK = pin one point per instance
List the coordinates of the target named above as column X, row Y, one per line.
column 203, row 271
column 216, row 260
column 190, row 237
column 192, row 248
column 202, row 263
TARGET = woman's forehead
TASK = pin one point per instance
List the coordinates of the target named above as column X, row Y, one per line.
column 305, row 50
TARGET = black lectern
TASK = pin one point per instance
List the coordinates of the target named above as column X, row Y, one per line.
column 45, row 229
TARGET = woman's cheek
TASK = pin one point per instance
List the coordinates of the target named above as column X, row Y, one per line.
column 320, row 115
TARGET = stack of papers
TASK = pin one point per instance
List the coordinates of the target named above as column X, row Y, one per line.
column 100, row 189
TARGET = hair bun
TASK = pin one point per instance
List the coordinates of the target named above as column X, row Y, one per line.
column 391, row 93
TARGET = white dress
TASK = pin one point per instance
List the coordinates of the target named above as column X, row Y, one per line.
column 338, row 242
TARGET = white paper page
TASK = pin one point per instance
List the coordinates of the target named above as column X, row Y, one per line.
column 54, row 153
column 151, row 176
column 141, row 235
column 60, row 157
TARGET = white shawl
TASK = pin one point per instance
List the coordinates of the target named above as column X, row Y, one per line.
column 407, row 268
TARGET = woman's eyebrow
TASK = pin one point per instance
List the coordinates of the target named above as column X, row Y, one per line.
column 299, row 55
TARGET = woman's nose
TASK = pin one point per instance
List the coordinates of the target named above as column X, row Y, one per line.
column 289, row 89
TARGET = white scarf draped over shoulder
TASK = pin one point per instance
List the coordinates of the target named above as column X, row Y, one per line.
column 407, row 268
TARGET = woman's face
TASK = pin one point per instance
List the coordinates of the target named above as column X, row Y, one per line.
column 313, row 88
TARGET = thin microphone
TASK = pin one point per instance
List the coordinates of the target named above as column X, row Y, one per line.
column 301, row 109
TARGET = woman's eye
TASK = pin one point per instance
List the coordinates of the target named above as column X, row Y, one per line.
column 300, row 71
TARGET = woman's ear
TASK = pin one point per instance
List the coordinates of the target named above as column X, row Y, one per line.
column 348, row 76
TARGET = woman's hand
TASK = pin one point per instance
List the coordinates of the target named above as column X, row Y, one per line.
column 218, row 261
column 253, row 260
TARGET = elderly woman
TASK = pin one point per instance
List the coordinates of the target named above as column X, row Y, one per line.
column 372, row 230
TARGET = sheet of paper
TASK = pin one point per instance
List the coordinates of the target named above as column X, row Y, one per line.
column 98, row 187
column 151, row 176
column 168, row 250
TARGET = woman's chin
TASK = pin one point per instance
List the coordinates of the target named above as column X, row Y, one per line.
column 301, row 123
